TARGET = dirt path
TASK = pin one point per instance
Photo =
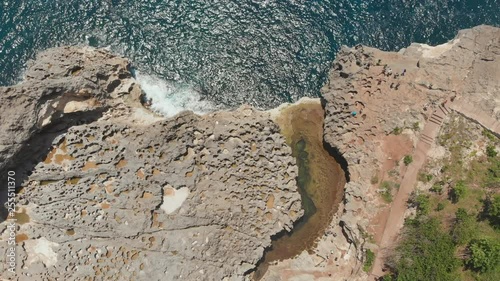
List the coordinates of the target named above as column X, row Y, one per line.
column 395, row 220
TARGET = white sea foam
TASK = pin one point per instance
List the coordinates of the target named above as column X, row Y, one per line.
column 170, row 98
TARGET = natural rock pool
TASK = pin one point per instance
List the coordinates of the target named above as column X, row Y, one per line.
column 321, row 182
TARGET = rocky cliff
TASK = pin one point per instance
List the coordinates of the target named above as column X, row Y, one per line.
column 110, row 191
column 373, row 94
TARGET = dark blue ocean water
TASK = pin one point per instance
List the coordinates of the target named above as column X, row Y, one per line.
column 233, row 51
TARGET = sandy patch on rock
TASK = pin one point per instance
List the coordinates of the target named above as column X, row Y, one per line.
column 41, row 250
column 173, row 198
column 436, row 51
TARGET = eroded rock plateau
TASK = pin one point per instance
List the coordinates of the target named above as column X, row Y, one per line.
column 110, row 191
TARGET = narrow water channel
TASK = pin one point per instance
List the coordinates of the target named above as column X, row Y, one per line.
column 320, row 183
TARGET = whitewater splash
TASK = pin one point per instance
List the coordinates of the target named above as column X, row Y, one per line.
column 170, row 98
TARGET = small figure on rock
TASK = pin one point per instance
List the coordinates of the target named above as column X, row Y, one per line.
column 145, row 101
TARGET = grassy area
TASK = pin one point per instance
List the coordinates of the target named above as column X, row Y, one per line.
column 458, row 216
column 369, row 259
column 424, row 177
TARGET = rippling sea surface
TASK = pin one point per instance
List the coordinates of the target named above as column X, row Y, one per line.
column 229, row 52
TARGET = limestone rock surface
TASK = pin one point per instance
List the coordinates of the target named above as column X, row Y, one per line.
column 59, row 85
column 115, row 192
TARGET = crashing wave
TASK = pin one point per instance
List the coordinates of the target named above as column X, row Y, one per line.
column 169, row 98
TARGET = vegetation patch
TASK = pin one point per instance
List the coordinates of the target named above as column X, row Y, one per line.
column 408, row 159
column 456, row 232
column 492, row 210
column 423, row 204
column 386, row 189
column 425, row 178
column 425, row 253
column 437, row 188
column 369, row 259
column 397, row 131
column 416, row 126
column 464, row 228
column 458, row 191
column 484, row 255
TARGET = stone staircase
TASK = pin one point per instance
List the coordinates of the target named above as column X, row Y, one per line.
column 436, row 120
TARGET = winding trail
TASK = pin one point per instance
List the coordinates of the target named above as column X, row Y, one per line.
column 395, row 219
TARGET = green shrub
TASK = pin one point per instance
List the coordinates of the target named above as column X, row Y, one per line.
column 489, row 135
column 440, row 206
column 369, row 259
column 397, row 131
column 490, row 151
column 465, row 227
column 484, row 255
column 387, row 278
column 458, row 191
column 423, row 204
column 387, row 196
column 393, row 173
column 416, row 126
column 444, row 169
column 423, row 177
column 437, row 188
column 408, row 159
column 428, row 177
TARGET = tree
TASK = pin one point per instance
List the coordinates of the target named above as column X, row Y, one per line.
column 458, row 191
column 492, row 210
column 494, row 207
column 493, row 173
column 423, row 204
column 484, row 255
